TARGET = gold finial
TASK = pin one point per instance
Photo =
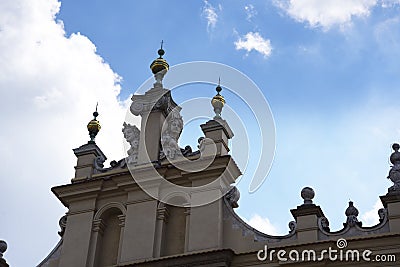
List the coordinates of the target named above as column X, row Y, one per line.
column 159, row 64
column 218, row 101
column 94, row 126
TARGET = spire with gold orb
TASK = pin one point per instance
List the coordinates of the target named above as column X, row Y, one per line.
column 93, row 127
column 218, row 101
column 159, row 63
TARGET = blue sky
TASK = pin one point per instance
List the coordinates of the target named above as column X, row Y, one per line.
column 328, row 69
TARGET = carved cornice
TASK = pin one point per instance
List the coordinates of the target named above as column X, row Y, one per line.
column 307, row 209
column 89, row 149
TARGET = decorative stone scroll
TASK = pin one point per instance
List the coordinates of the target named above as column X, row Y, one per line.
column 292, row 227
column 132, row 136
column 63, row 224
column 156, row 99
column 170, row 134
column 323, row 223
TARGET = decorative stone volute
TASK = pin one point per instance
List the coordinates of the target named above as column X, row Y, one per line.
column 63, row 224
column 156, row 99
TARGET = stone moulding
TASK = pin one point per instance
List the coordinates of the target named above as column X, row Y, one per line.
column 247, row 230
column 54, row 254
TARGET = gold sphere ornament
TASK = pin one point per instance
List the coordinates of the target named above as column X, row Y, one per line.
column 159, row 64
column 93, row 127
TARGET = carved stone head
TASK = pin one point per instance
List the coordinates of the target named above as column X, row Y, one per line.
column 175, row 124
column 131, row 134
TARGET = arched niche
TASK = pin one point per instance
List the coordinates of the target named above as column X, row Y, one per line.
column 108, row 226
column 174, row 226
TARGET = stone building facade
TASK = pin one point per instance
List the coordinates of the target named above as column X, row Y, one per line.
column 145, row 210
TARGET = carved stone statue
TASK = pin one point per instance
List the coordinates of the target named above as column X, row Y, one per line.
column 170, row 134
column 132, row 136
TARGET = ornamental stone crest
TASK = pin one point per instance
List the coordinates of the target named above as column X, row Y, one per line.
column 352, row 213
column 132, row 136
column 170, row 134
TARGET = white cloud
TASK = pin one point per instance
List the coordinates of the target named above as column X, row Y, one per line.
column 254, row 41
column 262, row 224
column 250, row 11
column 389, row 3
column 371, row 217
column 49, row 86
column 388, row 38
column 210, row 14
column 326, row 13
